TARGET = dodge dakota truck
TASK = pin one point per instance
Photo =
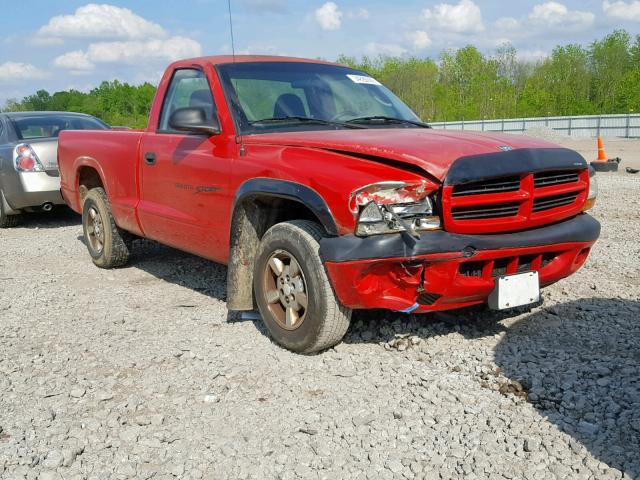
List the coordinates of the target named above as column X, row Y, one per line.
column 324, row 193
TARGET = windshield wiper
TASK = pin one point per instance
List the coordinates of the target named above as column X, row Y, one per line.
column 318, row 121
column 380, row 119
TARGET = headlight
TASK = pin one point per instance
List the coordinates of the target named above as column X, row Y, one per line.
column 391, row 207
column 593, row 191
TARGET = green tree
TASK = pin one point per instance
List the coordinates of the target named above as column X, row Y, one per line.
column 611, row 60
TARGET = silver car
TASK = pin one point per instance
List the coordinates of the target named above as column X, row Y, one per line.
column 29, row 177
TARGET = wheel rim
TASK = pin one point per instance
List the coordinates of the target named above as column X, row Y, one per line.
column 95, row 229
column 285, row 290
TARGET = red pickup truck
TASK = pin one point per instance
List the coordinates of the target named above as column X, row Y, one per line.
column 324, row 193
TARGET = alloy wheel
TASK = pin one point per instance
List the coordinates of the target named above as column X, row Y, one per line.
column 285, row 290
column 95, row 229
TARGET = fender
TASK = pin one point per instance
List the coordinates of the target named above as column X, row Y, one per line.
column 248, row 225
column 79, row 163
column 292, row 191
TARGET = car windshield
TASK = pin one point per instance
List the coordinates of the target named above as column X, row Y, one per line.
column 287, row 96
column 50, row 126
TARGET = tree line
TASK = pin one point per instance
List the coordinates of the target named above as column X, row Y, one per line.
column 114, row 102
column 463, row 84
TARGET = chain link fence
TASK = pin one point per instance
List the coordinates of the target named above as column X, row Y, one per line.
column 624, row 126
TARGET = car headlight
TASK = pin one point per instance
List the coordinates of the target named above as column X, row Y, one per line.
column 391, row 207
column 593, row 191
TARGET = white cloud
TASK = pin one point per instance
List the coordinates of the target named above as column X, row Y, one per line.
column 550, row 12
column 419, row 39
column 77, row 62
column 170, row 49
column 329, row 16
column 131, row 53
column 14, row 72
column 101, row 21
column 555, row 14
column 622, row 10
column 466, row 16
column 385, row 49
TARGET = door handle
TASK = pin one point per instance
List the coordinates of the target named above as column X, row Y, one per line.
column 150, row 158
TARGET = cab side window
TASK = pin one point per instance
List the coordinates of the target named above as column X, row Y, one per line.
column 188, row 88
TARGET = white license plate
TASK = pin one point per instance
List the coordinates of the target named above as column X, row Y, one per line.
column 515, row 291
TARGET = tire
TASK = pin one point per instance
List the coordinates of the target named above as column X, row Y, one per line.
column 319, row 322
column 7, row 221
column 108, row 245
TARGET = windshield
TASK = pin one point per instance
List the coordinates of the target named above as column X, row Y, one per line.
column 50, row 126
column 287, row 96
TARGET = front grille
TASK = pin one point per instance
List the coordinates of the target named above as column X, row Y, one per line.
column 525, row 263
column 506, row 266
column 547, row 203
column 500, row 267
column 486, row 211
column 545, row 179
column 498, row 185
column 515, row 202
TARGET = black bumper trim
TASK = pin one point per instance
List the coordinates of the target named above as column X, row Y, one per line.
column 582, row 228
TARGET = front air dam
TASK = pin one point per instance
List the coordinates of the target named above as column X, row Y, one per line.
column 396, row 272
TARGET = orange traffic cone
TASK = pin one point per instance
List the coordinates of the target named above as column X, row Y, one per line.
column 602, row 157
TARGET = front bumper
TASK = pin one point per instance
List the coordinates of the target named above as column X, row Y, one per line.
column 444, row 271
column 32, row 189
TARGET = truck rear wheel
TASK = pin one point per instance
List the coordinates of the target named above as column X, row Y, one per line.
column 292, row 290
column 108, row 245
column 7, row 221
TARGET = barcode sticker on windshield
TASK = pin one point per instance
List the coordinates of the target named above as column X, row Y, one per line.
column 363, row 79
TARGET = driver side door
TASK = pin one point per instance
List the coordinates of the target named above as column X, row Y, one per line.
column 184, row 176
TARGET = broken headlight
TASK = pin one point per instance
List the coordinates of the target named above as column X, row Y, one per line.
column 391, row 207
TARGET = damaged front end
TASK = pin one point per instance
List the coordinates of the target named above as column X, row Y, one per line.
column 444, row 271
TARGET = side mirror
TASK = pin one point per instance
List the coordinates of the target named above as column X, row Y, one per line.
column 193, row 119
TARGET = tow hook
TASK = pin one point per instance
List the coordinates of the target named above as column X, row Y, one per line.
column 410, row 310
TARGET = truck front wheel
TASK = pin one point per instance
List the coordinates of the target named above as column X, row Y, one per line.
column 292, row 290
column 108, row 245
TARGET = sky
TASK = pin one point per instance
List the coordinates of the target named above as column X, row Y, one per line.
column 58, row 45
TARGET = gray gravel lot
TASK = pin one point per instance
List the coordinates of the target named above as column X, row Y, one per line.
column 142, row 373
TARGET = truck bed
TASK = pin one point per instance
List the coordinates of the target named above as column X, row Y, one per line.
column 113, row 154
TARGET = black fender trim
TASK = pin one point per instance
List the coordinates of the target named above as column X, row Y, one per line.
column 501, row 164
column 291, row 191
column 582, row 228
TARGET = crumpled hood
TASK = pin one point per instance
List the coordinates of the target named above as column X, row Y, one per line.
column 432, row 150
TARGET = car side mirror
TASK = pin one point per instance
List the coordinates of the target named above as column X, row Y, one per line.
column 193, row 119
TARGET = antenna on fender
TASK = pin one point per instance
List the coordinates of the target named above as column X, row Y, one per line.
column 233, row 43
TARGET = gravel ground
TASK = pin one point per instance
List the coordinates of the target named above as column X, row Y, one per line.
column 142, row 373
